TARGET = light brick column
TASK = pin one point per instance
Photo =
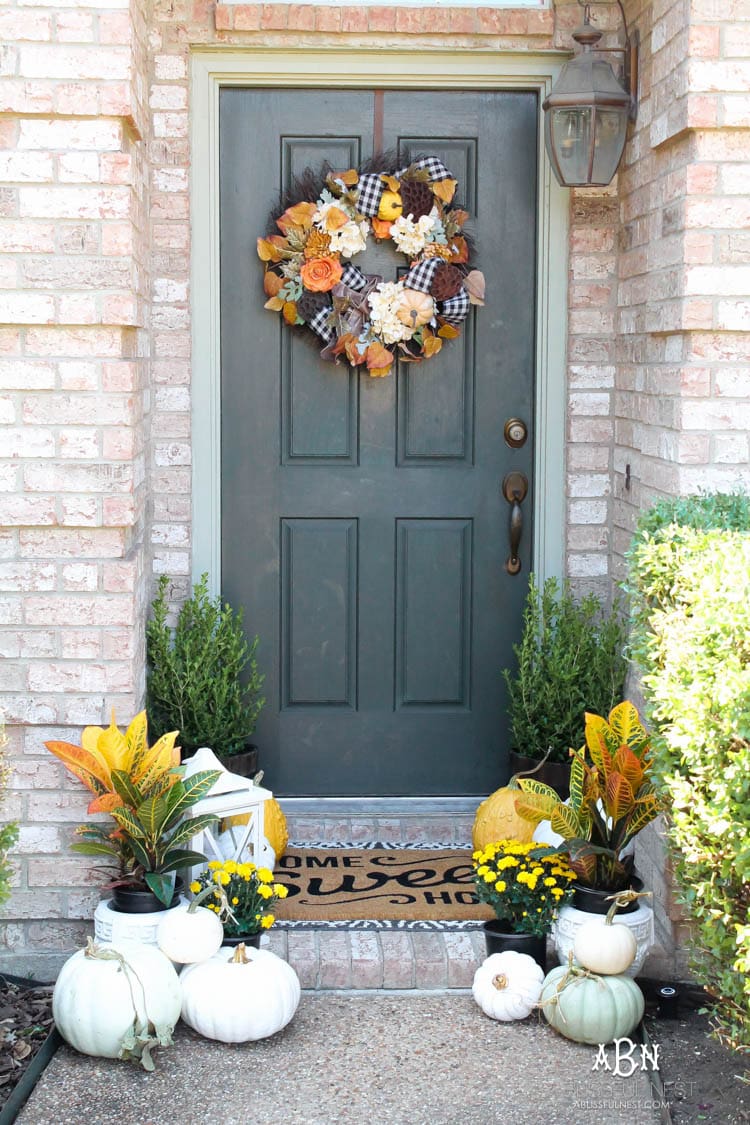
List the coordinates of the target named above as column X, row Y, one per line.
column 683, row 356
column 73, row 437
column 683, row 346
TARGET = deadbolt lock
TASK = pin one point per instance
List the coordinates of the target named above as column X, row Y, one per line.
column 515, row 433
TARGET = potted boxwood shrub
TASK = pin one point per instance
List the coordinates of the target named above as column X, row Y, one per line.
column 571, row 659
column 203, row 677
column 612, row 797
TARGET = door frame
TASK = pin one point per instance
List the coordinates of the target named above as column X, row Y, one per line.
column 370, row 67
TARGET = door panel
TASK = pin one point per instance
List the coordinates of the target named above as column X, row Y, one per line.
column 362, row 523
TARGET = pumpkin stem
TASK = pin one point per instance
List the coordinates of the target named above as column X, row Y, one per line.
column 529, row 773
column 621, row 899
column 226, row 914
column 500, row 981
column 239, row 957
column 209, row 890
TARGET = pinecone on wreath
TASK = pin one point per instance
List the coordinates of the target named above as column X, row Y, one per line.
column 446, row 282
column 417, row 198
column 311, row 303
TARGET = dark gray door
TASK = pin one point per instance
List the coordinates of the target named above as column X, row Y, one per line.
column 363, row 527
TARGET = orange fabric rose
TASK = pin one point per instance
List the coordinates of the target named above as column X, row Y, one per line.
column 321, row 274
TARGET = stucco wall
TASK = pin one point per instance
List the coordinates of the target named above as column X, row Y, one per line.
column 95, row 338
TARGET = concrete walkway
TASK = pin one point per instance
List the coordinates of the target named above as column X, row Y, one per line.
column 347, row 1058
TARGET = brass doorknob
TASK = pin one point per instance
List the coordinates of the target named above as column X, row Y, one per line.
column 515, row 489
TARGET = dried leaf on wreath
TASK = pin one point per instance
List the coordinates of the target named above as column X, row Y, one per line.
column 458, row 217
column 267, row 252
column 353, row 351
column 350, row 177
column 391, row 183
column 275, row 304
column 379, row 359
column 449, row 332
column 272, row 283
column 289, row 312
column 300, row 215
column 445, row 189
column 460, row 250
column 431, row 345
column 474, row 286
column 381, row 228
column 346, row 345
column 335, row 218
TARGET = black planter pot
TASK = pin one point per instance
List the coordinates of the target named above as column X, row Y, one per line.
column 245, row 763
column 246, row 939
column 139, row 900
column 594, row 901
column 554, row 774
column 499, row 938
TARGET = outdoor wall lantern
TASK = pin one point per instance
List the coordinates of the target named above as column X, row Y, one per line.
column 587, row 111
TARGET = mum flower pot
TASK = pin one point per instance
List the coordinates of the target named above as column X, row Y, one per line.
column 499, row 936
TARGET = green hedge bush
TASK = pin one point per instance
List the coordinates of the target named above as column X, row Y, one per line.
column 689, row 580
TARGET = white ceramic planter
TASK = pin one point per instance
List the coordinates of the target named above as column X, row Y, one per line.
column 112, row 925
column 570, row 919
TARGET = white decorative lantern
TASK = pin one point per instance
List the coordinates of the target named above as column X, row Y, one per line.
column 231, row 795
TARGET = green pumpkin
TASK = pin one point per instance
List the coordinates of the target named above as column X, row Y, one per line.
column 591, row 1009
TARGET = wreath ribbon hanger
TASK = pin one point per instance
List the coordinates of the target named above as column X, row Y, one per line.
column 311, row 280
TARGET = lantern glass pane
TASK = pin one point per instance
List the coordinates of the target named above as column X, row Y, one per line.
column 571, row 139
column 609, row 142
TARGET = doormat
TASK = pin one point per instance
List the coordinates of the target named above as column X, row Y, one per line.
column 391, row 888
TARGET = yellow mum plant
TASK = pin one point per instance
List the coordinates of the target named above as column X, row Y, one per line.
column 523, row 889
column 247, row 891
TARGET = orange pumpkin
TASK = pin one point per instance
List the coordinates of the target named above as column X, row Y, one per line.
column 497, row 819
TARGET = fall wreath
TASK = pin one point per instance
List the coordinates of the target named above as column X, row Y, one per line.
column 311, row 279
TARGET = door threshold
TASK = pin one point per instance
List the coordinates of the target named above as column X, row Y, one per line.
column 380, row 806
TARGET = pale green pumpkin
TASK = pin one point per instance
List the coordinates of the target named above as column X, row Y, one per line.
column 591, row 1009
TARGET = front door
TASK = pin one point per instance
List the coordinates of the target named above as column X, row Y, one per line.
column 363, row 526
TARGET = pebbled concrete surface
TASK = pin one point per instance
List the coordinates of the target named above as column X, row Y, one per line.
column 349, row 1059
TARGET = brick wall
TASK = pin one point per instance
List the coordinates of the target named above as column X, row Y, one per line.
column 95, row 343
column 74, row 387
column 683, row 358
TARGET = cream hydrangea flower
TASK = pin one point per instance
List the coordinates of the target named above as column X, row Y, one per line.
column 384, row 301
column 350, row 239
column 411, row 237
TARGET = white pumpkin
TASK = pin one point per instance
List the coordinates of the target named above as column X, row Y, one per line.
column 507, row 985
column 603, row 946
column 117, row 1001
column 239, row 995
column 190, row 935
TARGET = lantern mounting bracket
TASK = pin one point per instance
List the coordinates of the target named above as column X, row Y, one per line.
column 590, row 35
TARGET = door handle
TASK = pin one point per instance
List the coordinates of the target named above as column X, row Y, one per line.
column 515, row 488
